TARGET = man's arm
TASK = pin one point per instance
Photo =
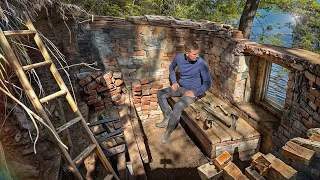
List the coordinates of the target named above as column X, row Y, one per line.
column 206, row 78
column 172, row 72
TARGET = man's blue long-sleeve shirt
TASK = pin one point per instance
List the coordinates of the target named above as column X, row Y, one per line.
column 194, row 75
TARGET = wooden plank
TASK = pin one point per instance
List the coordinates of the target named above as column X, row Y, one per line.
column 79, row 159
column 122, row 166
column 307, row 143
column 36, row 65
column 222, row 160
column 20, row 32
column 54, row 95
column 133, row 149
column 261, row 164
column 241, row 144
column 139, row 134
column 216, row 129
column 252, row 174
column 242, row 127
column 297, row 153
column 313, row 131
column 232, row 172
column 209, row 172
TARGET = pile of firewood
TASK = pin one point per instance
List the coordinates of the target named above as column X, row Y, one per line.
column 102, row 90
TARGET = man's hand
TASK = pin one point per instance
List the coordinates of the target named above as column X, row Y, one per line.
column 189, row 93
column 175, row 86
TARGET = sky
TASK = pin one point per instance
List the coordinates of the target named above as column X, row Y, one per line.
column 280, row 18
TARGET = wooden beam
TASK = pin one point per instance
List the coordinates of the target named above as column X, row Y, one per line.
column 307, row 143
column 261, row 164
column 232, row 172
column 222, row 160
column 133, row 149
column 297, row 153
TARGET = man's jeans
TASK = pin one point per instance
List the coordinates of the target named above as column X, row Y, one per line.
column 183, row 102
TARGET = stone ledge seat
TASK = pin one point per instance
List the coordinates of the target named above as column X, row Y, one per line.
column 244, row 139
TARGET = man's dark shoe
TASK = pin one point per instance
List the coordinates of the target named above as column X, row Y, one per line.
column 167, row 134
column 163, row 124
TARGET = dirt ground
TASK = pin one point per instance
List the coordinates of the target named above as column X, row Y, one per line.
column 178, row 159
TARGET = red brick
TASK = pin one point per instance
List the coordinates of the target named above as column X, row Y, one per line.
column 98, row 104
column 146, row 86
column 92, row 86
column 127, row 54
column 154, row 99
column 140, row 53
column 102, row 88
column 108, row 74
column 312, row 105
column 157, row 86
column 314, row 92
column 145, row 80
column 117, row 74
column 106, row 94
column 135, row 101
column 118, row 82
column 124, row 90
column 304, row 113
column 154, row 95
column 154, row 91
column 136, row 97
column 116, row 91
column 153, row 107
column 310, row 76
column 310, row 97
column 123, row 50
column 122, row 99
column 99, row 108
column 318, row 81
column 92, row 97
column 107, row 99
column 318, row 102
column 145, row 103
column 137, row 93
column 137, row 88
column 92, row 93
column 145, row 92
column 94, row 101
column 85, row 80
column 96, row 74
column 146, row 98
column 146, row 112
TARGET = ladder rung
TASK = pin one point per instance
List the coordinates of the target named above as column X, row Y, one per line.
column 78, row 160
column 68, row 124
column 36, row 65
column 20, row 32
column 104, row 121
column 110, row 135
column 54, row 95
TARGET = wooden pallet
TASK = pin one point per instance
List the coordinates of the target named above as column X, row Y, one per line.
column 214, row 141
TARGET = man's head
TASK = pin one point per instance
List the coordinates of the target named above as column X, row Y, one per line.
column 192, row 51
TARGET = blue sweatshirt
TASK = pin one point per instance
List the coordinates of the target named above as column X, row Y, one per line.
column 194, row 75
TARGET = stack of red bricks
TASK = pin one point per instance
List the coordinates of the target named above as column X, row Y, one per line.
column 103, row 90
column 145, row 95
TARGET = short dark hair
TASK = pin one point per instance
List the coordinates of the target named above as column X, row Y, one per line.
column 191, row 45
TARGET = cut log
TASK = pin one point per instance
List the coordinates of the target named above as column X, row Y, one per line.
column 279, row 170
column 252, row 174
column 223, row 160
column 209, row 172
column 232, row 172
column 313, row 131
column 307, row 143
column 297, row 153
column 315, row 137
column 261, row 164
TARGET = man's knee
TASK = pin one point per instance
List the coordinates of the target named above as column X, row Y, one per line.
column 180, row 105
column 164, row 91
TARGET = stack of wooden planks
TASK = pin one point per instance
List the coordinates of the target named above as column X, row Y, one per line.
column 242, row 139
column 222, row 166
column 269, row 167
column 303, row 150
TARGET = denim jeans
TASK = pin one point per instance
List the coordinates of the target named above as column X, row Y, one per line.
column 178, row 107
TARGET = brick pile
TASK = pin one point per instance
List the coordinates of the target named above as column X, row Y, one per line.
column 145, row 97
column 102, row 90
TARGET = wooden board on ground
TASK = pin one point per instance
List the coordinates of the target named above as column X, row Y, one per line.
column 133, row 149
column 252, row 174
column 297, row 153
column 219, row 138
column 307, row 143
column 209, row 172
column 232, row 172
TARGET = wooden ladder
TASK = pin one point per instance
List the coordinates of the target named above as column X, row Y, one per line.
column 37, row 103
